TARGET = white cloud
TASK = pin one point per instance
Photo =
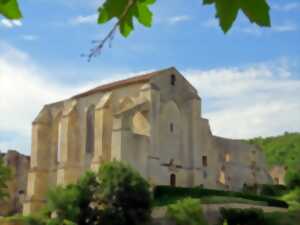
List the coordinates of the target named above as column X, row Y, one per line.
column 259, row 100
column 10, row 23
column 178, row 19
column 286, row 27
column 23, row 91
column 30, row 37
column 287, row 7
column 275, row 28
column 89, row 19
column 22, row 94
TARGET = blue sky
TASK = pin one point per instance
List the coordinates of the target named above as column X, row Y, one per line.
column 249, row 78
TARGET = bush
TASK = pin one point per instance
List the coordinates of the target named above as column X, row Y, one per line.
column 273, row 190
column 250, row 189
column 123, row 194
column 293, row 198
column 167, row 192
column 292, row 179
column 186, row 212
column 116, row 195
column 243, row 216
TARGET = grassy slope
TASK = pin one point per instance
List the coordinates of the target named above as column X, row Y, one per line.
column 280, row 150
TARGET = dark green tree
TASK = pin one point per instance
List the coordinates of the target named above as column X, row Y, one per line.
column 116, row 195
column 123, row 195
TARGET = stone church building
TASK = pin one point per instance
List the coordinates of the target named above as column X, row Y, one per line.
column 154, row 122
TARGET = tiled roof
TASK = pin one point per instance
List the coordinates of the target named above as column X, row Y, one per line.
column 121, row 83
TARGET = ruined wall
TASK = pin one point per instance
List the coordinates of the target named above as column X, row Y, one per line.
column 19, row 165
column 278, row 173
column 240, row 163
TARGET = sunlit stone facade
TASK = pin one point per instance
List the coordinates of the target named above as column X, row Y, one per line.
column 153, row 122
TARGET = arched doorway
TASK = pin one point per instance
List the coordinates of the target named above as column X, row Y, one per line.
column 173, row 180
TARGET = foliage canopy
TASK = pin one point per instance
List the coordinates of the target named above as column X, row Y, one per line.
column 115, row 195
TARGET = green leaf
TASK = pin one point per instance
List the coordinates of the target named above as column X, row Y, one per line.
column 257, row 11
column 10, row 9
column 111, row 9
column 126, row 25
column 208, row 2
column 116, row 9
column 227, row 12
column 144, row 15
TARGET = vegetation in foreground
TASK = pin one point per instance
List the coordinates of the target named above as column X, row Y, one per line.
column 187, row 211
column 118, row 195
column 165, row 195
column 115, row 195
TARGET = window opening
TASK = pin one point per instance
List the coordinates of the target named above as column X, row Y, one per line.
column 173, row 79
column 204, row 161
column 173, row 180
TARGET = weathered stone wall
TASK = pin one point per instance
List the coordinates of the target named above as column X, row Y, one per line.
column 19, row 165
column 240, row 163
column 278, row 173
column 153, row 122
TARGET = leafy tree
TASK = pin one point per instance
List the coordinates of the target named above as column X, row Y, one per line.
column 123, row 194
column 186, row 212
column 73, row 203
column 126, row 11
column 116, row 195
column 5, row 175
column 293, row 199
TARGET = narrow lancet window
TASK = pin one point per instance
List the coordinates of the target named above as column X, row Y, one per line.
column 173, row 79
column 171, row 127
column 90, row 132
column 204, row 161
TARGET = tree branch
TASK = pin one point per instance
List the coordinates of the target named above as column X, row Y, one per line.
column 95, row 51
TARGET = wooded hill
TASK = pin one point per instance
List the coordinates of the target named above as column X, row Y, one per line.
column 280, row 150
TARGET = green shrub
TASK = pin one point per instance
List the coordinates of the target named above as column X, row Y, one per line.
column 242, row 216
column 250, row 189
column 64, row 203
column 293, row 199
column 116, row 195
column 273, row 190
column 283, row 218
column 186, row 212
column 165, row 193
column 292, row 178
column 123, row 194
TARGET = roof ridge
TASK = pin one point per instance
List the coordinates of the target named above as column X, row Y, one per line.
column 124, row 82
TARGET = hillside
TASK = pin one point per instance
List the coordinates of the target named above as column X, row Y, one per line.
column 281, row 150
